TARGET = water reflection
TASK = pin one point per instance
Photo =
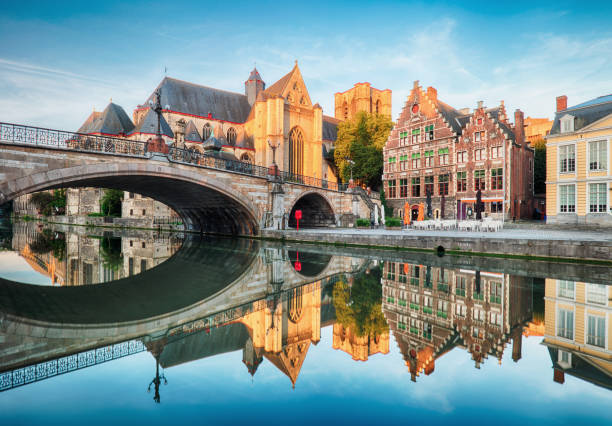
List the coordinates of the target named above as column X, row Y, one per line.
column 195, row 299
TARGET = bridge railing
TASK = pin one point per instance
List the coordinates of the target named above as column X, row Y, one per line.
column 20, row 134
column 214, row 161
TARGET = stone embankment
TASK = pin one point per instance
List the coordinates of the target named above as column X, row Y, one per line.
column 555, row 245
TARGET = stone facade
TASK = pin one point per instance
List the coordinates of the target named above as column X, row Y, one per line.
column 82, row 201
column 537, row 128
column 362, row 97
column 450, row 154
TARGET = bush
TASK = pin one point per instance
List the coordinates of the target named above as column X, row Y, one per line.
column 95, row 214
column 362, row 223
column 393, row 221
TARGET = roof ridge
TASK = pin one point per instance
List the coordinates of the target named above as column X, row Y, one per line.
column 201, row 85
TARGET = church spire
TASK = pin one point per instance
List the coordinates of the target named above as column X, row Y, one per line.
column 253, row 86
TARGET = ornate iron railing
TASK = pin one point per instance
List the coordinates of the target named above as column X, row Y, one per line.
column 19, row 134
column 46, row 369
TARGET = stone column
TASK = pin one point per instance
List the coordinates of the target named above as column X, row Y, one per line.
column 278, row 205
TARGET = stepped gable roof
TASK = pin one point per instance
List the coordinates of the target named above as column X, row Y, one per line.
column 330, row 128
column 585, row 113
column 190, row 98
column 464, row 119
column 86, row 126
column 451, row 115
column 112, row 121
column 191, row 133
column 148, row 125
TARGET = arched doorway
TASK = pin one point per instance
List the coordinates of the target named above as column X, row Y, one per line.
column 316, row 212
column 296, row 151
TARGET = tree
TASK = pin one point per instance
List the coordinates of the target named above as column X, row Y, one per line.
column 110, row 203
column 50, row 203
column 539, row 166
column 361, row 139
column 110, row 249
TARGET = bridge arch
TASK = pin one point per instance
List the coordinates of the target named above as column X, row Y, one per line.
column 204, row 203
column 317, row 210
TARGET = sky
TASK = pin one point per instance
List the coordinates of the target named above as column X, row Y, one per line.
column 61, row 59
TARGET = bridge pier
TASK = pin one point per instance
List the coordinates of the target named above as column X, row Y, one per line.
column 278, row 206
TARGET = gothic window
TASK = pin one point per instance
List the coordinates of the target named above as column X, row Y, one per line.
column 206, row 131
column 345, row 110
column 231, row 136
column 295, row 304
column 290, row 97
column 303, row 101
column 378, row 108
column 296, row 151
column 246, row 158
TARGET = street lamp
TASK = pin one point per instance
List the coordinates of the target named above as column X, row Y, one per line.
column 273, row 146
column 352, row 163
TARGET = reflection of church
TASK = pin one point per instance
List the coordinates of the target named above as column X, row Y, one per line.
column 431, row 310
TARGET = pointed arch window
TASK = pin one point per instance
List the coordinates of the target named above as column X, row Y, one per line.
column 295, row 304
column 345, row 110
column 206, row 131
column 296, row 151
column 231, row 136
column 378, row 107
column 246, row 158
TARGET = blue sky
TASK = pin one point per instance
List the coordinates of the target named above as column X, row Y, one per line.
column 58, row 60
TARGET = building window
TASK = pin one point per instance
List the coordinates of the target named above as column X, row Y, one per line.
column 443, row 184
column 567, row 198
column 566, row 289
column 143, row 265
column 567, row 159
column 596, row 331
column 403, row 187
column 231, row 136
column 497, row 207
column 144, row 245
column 403, row 138
column 144, row 212
column 429, row 156
column 460, row 310
column 565, row 324
column 296, row 151
column 206, row 131
column 567, row 124
column 479, row 180
column 598, row 154
column 429, row 133
column 391, row 271
column 462, row 157
column 131, row 195
column 416, row 186
column 416, row 160
column 391, row 185
column 461, row 181
column 478, row 136
column 443, row 156
column 429, row 185
column 497, row 178
column 131, row 212
column 404, row 162
column 497, row 152
column 416, row 133
column 598, row 198
column 480, row 154
column 597, row 294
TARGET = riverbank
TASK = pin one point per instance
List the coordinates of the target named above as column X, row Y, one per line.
column 541, row 244
column 105, row 222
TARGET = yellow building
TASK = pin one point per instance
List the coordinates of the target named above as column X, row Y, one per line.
column 537, row 128
column 578, row 177
column 362, row 97
column 578, row 329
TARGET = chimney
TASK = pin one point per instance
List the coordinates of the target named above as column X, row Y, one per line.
column 519, row 126
column 561, row 103
column 480, row 104
column 558, row 376
column 432, row 94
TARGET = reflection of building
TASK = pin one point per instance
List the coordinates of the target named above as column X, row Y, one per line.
column 359, row 347
column 578, row 178
column 140, row 254
column 578, row 330
column 430, row 310
column 451, row 154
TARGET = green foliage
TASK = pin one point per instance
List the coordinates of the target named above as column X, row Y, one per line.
column 110, row 251
column 539, row 166
column 50, row 203
column 362, row 222
column 95, row 214
column 393, row 221
column 50, row 241
column 359, row 306
column 110, row 204
column 361, row 139
column 387, row 211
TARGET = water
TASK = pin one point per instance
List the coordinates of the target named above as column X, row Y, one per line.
column 102, row 326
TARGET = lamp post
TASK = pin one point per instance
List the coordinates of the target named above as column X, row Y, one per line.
column 273, row 146
column 352, row 163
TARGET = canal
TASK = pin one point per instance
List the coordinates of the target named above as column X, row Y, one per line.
column 159, row 328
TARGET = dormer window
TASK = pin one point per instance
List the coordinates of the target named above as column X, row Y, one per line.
column 567, row 124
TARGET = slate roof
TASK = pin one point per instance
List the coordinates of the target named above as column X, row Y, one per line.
column 191, row 133
column 149, row 125
column 330, row 128
column 112, row 121
column 450, row 114
column 585, row 113
column 255, row 75
column 190, row 98
column 279, row 87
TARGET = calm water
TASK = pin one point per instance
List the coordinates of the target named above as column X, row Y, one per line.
column 103, row 327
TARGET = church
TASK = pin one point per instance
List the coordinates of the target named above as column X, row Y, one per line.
column 245, row 126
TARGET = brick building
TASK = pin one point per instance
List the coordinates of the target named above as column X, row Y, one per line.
column 450, row 154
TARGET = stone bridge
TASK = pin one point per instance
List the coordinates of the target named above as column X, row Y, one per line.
column 210, row 193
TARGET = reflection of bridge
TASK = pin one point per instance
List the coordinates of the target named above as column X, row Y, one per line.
column 49, row 330
column 210, row 193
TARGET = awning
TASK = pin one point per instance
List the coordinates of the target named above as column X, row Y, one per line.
column 484, row 200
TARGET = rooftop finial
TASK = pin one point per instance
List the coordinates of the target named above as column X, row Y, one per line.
column 296, row 62
column 111, row 100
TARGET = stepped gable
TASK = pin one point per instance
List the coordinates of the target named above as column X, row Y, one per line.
column 585, row 113
column 148, row 125
column 192, row 134
column 112, row 121
column 189, row 98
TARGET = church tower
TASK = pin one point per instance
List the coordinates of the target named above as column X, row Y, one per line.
column 253, row 86
column 362, row 97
